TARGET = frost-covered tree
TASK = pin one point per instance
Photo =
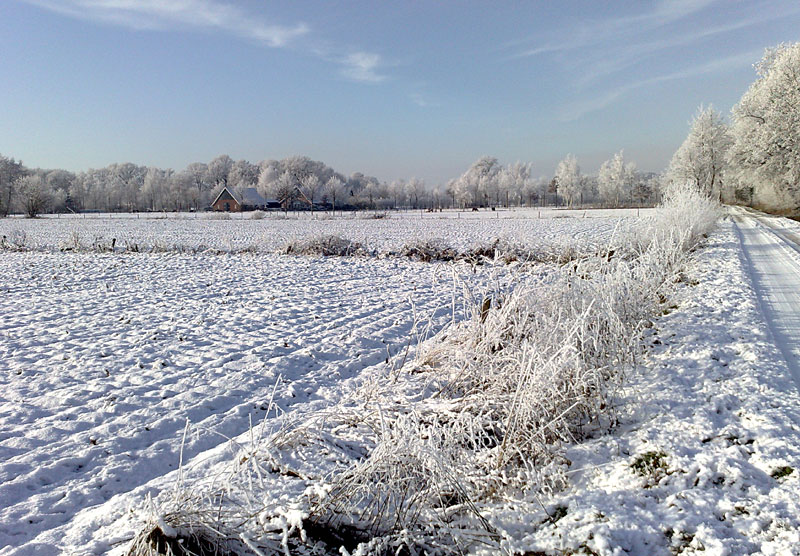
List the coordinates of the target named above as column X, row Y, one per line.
column 155, row 187
column 765, row 154
column 126, row 185
column 34, row 194
column 285, row 190
column 516, row 178
column 568, row 176
column 334, row 189
column 177, row 194
column 701, row 158
column 267, row 178
column 10, row 171
column 415, row 188
column 474, row 184
column 615, row 179
column 93, row 186
column 218, row 171
column 451, row 189
column 397, row 189
column 370, row 191
column 645, row 187
column 197, row 173
column 311, row 187
column 438, row 196
column 243, row 174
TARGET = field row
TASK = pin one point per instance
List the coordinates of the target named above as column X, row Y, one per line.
column 550, row 230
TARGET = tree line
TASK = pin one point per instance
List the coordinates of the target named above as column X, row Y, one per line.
column 752, row 157
column 488, row 183
column 299, row 182
column 131, row 187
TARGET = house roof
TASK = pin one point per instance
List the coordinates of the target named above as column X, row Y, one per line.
column 246, row 196
column 250, row 196
column 230, row 192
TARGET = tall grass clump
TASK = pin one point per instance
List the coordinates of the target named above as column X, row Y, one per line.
column 327, row 246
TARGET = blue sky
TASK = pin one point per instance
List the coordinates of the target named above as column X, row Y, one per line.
column 392, row 89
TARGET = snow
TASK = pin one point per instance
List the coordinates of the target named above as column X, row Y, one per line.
column 772, row 257
column 717, row 400
column 105, row 356
column 549, row 228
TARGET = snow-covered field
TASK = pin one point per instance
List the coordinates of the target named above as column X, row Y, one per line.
column 549, row 228
column 105, row 357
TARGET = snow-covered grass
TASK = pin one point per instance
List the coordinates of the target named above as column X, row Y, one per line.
column 414, row 457
column 707, row 429
column 550, row 230
column 506, row 388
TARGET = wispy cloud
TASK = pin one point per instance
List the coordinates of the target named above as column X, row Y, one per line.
column 172, row 15
column 362, row 66
column 579, row 109
column 601, row 30
column 167, row 15
column 420, row 100
column 630, row 54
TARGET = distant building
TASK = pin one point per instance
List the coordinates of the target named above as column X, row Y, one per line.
column 249, row 198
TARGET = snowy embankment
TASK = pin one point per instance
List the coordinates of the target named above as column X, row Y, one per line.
column 705, row 458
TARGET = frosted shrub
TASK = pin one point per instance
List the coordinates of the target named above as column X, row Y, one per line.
column 428, row 250
column 685, row 215
column 324, row 246
column 15, row 241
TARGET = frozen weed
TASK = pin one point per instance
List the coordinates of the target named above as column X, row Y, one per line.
column 72, row 243
column 650, row 465
column 781, row 472
column 15, row 241
column 186, row 525
column 326, row 246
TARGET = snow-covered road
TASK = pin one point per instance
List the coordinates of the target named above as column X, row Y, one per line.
column 772, row 260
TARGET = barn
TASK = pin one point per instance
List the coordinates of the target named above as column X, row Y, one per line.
column 248, row 198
